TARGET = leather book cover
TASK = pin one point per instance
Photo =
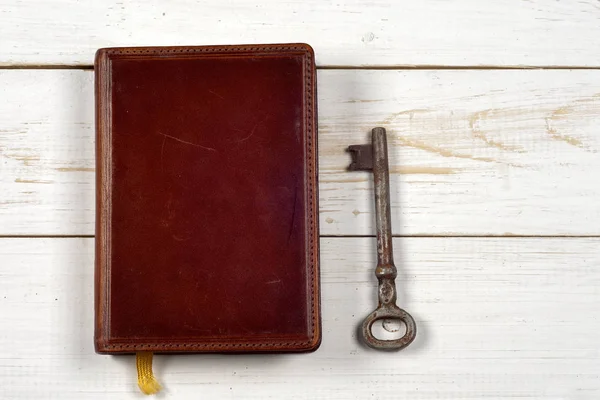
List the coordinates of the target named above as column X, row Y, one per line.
column 207, row 225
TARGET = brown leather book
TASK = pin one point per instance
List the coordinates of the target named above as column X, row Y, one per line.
column 207, row 224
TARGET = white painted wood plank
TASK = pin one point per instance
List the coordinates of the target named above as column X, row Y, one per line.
column 46, row 152
column 471, row 152
column 374, row 32
column 499, row 318
column 476, row 152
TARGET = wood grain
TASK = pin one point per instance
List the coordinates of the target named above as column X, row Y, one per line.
column 472, row 152
column 349, row 33
column 500, row 318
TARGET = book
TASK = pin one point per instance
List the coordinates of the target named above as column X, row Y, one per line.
column 207, row 200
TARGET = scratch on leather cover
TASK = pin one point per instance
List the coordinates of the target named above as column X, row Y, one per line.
column 207, row 224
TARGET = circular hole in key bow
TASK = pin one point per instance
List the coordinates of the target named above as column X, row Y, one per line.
column 393, row 325
column 388, row 329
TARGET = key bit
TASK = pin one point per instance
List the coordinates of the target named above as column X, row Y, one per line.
column 374, row 157
column 362, row 157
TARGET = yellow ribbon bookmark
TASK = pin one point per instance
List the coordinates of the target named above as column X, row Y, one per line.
column 146, row 380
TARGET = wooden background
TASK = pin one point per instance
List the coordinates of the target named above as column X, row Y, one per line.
column 493, row 111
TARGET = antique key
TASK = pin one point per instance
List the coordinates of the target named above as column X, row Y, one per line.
column 374, row 157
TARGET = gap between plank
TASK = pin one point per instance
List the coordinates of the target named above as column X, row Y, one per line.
column 347, row 236
column 467, row 236
column 350, row 67
column 47, row 236
column 460, row 67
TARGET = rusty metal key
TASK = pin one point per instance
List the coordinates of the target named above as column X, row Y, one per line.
column 374, row 157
